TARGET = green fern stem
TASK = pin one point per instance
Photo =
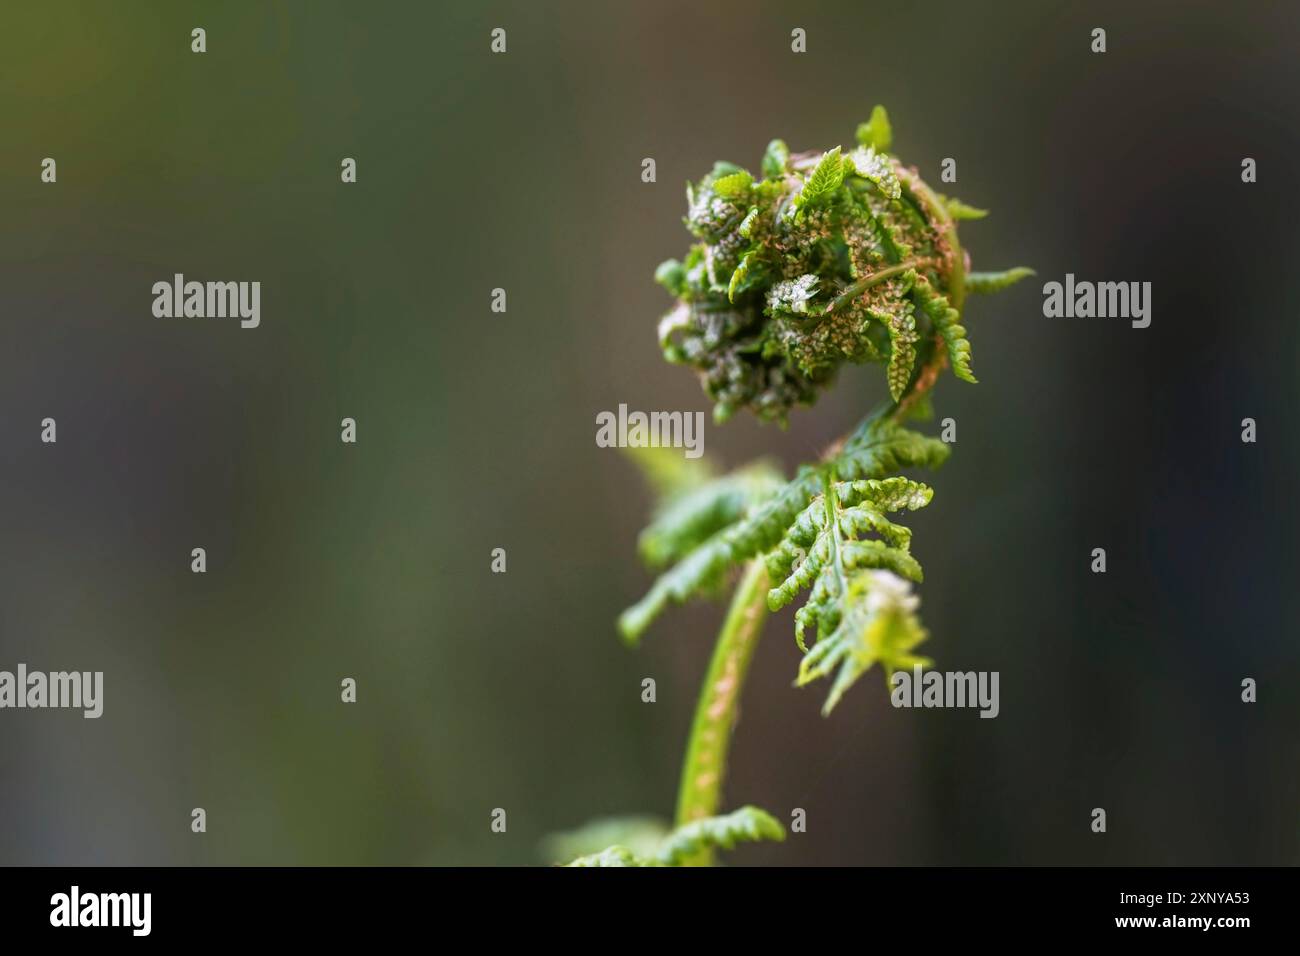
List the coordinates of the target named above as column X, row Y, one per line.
column 715, row 714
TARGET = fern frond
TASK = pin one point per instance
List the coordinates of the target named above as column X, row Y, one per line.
column 988, row 282
column 747, row 274
column 882, row 447
column 831, row 258
column 960, row 211
column 823, row 182
column 876, row 168
column 687, row 519
column 701, row 570
column 757, row 498
column 824, row 548
column 879, row 448
column 857, row 232
column 946, row 321
column 746, row 825
column 876, row 132
column 900, row 324
column 734, row 186
column 878, row 626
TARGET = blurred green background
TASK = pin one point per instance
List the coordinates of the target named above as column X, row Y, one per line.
column 476, row 430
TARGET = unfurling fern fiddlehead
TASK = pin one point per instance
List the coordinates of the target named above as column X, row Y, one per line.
column 829, row 258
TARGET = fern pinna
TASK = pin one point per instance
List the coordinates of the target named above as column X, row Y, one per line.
column 829, row 258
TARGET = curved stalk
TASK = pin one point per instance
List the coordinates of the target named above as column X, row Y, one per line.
column 715, row 713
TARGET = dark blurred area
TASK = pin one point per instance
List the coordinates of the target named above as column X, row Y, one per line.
column 476, row 430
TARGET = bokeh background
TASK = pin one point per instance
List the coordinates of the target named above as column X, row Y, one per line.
column 476, row 430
